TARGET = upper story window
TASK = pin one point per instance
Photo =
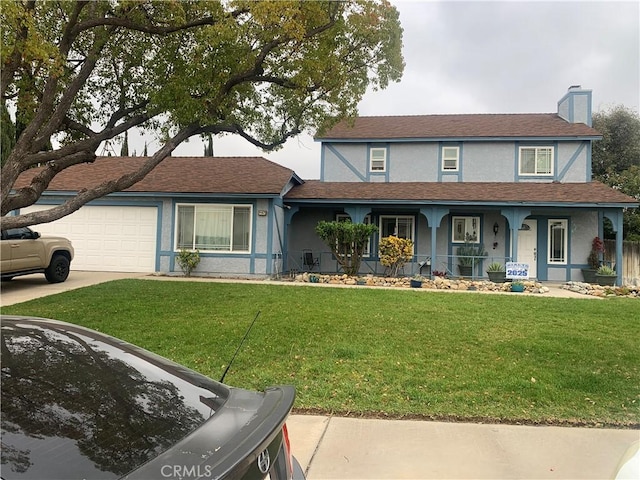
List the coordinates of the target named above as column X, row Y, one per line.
column 212, row 227
column 536, row 160
column 450, row 158
column 378, row 159
column 465, row 229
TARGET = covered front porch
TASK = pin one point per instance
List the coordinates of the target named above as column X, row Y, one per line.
column 554, row 241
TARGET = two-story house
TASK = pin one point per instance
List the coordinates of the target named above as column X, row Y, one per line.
column 520, row 184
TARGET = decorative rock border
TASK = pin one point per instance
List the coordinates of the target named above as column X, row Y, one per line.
column 438, row 283
column 601, row 291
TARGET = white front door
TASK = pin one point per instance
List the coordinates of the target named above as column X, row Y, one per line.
column 528, row 246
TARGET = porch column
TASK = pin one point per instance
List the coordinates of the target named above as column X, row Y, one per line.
column 434, row 216
column 514, row 216
column 616, row 220
column 289, row 212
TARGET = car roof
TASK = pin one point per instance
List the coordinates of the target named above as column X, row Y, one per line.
column 104, row 406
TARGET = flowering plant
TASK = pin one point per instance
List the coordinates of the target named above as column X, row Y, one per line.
column 597, row 248
column 395, row 252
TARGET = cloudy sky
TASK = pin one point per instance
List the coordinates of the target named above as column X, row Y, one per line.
column 491, row 57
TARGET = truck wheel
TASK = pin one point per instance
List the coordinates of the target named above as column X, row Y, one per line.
column 58, row 269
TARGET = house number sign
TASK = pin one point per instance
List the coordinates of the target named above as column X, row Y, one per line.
column 517, row 271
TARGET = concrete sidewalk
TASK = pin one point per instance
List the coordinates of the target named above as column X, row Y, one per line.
column 350, row 448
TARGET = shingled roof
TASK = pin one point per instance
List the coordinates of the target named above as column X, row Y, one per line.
column 213, row 175
column 525, row 125
column 469, row 192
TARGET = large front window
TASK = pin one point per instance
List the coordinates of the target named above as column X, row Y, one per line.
column 558, row 241
column 400, row 226
column 217, row 228
column 536, row 160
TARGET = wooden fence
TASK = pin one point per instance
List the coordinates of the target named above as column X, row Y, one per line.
column 630, row 260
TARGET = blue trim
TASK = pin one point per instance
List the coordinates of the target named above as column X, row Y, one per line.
column 323, row 148
column 589, row 176
column 571, row 161
column 556, row 162
column 347, row 163
column 516, row 166
column 271, row 212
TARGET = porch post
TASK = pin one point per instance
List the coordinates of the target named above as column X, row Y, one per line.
column 616, row 219
column 514, row 216
column 434, row 216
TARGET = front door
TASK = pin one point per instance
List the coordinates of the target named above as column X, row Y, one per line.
column 528, row 246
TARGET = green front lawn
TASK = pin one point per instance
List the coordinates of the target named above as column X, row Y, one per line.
column 398, row 353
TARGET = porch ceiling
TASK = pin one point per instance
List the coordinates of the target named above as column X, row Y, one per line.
column 592, row 193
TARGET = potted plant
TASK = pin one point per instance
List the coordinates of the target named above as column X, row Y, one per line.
column 496, row 272
column 469, row 256
column 606, row 276
column 597, row 249
column 416, row 281
column 517, row 286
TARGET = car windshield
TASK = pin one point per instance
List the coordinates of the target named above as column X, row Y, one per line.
column 78, row 405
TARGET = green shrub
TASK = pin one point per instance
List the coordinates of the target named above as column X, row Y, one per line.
column 347, row 241
column 188, row 260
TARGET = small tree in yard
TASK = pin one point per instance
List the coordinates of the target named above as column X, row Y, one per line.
column 346, row 241
column 395, row 252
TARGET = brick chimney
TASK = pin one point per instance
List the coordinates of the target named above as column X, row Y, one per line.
column 575, row 106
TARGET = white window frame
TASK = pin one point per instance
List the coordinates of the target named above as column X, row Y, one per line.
column 537, row 152
column 223, row 206
column 342, row 217
column 557, row 225
column 412, row 229
column 461, row 226
column 378, row 164
column 451, row 155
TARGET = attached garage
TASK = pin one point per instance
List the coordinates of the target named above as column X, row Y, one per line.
column 108, row 238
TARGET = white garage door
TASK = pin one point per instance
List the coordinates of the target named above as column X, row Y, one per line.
column 108, row 239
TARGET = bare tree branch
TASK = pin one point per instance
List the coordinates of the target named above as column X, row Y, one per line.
column 105, row 188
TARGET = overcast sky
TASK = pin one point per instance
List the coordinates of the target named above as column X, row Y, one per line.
column 490, row 57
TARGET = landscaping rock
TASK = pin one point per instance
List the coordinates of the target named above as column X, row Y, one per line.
column 437, row 283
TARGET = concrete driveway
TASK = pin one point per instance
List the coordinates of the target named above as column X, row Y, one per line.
column 354, row 448
column 28, row 287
